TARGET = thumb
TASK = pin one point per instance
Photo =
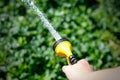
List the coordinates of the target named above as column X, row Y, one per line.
column 65, row 69
column 68, row 71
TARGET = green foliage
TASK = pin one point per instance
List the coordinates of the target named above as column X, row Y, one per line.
column 26, row 46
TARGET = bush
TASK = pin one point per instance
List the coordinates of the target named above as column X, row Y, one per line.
column 26, row 46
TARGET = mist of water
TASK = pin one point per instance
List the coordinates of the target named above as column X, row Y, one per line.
column 43, row 19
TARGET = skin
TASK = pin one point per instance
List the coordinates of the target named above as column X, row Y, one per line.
column 83, row 71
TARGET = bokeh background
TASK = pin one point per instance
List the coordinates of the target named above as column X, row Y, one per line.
column 26, row 53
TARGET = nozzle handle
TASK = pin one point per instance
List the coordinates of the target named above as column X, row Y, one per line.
column 72, row 59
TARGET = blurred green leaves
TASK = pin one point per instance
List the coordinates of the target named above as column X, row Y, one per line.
column 26, row 46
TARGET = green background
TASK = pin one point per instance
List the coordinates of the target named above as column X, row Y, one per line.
column 26, row 53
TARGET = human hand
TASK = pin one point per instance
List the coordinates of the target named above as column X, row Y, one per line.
column 78, row 71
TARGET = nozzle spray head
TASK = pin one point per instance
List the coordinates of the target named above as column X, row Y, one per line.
column 63, row 48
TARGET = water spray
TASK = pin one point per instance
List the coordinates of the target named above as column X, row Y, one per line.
column 62, row 46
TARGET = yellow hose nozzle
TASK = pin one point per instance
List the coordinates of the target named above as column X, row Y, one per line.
column 63, row 48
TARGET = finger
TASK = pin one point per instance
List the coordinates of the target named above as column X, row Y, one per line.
column 92, row 68
column 64, row 68
column 85, row 65
column 67, row 70
column 83, row 62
